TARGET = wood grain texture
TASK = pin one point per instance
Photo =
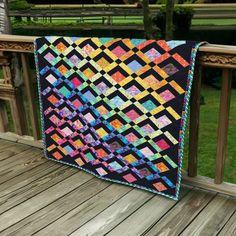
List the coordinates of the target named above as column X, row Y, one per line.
column 28, row 177
column 114, row 214
column 223, row 124
column 30, row 95
column 146, row 215
column 22, row 164
column 9, row 150
column 194, row 122
column 86, row 211
column 208, row 184
column 213, row 217
column 22, row 194
column 6, row 145
column 229, row 227
column 58, row 208
column 3, row 117
column 181, row 214
column 42, row 199
column 21, row 158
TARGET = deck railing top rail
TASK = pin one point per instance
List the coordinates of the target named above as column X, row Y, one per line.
column 24, row 40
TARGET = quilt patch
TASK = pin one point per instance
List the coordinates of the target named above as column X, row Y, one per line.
column 117, row 108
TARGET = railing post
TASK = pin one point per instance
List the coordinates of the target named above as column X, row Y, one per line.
column 18, row 112
column 3, row 118
column 194, row 122
column 223, row 124
column 31, row 95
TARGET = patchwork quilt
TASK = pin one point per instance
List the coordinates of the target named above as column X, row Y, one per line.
column 117, row 108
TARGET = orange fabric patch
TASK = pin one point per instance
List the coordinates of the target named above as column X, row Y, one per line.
column 159, row 186
column 161, row 167
column 118, row 76
column 116, row 124
column 57, row 155
column 101, row 153
column 52, row 99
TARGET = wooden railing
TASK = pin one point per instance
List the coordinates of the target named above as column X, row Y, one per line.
column 211, row 55
column 201, row 11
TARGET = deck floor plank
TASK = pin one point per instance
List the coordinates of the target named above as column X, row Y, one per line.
column 147, row 214
column 212, row 219
column 181, row 214
column 43, row 183
column 41, row 197
column 57, row 209
column 28, row 177
column 21, row 165
column 230, row 227
column 115, row 213
column 22, row 157
column 86, row 211
column 7, row 145
column 11, row 150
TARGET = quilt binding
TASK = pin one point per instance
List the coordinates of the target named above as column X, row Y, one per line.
column 181, row 131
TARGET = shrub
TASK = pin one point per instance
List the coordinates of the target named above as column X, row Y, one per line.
column 182, row 18
column 19, row 5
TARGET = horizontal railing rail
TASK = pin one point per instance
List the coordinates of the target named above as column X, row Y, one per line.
column 201, row 11
column 210, row 55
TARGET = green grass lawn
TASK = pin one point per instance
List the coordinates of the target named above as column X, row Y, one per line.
column 208, row 136
column 217, row 22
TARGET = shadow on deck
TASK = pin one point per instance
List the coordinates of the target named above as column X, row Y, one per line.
column 41, row 197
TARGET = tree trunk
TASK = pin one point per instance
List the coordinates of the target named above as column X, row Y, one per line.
column 5, row 28
column 147, row 20
column 169, row 19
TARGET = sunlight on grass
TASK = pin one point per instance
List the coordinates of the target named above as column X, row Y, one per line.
column 213, row 22
column 208, row 136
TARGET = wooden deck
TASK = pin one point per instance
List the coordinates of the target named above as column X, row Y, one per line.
column 40, row 197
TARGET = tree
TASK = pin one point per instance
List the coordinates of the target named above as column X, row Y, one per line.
column 147, row 20
column 169, row 19
column 6, row 29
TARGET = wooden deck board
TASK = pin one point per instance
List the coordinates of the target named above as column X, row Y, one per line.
column 213, row 217
column 40, row 197
column 147, row 215
column 22, row 194
column 230, row 227
column 57, row 209
column 86, row 211
column 9, row 149
column 182, row 213
column 20, row 165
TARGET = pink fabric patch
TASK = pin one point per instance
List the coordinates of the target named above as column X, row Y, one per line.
column 167, row 95
column 133, row 115
column 162, row 144
column 76, row 82
column 66, row 131
column 130, row 178
column 119, row 51
column 147, row 152
column 77, row 103
column 101, row 171
column 131, row 137
column 89, row 117
column 51, row 79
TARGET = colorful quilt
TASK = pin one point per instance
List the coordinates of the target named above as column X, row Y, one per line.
column 117, row 108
